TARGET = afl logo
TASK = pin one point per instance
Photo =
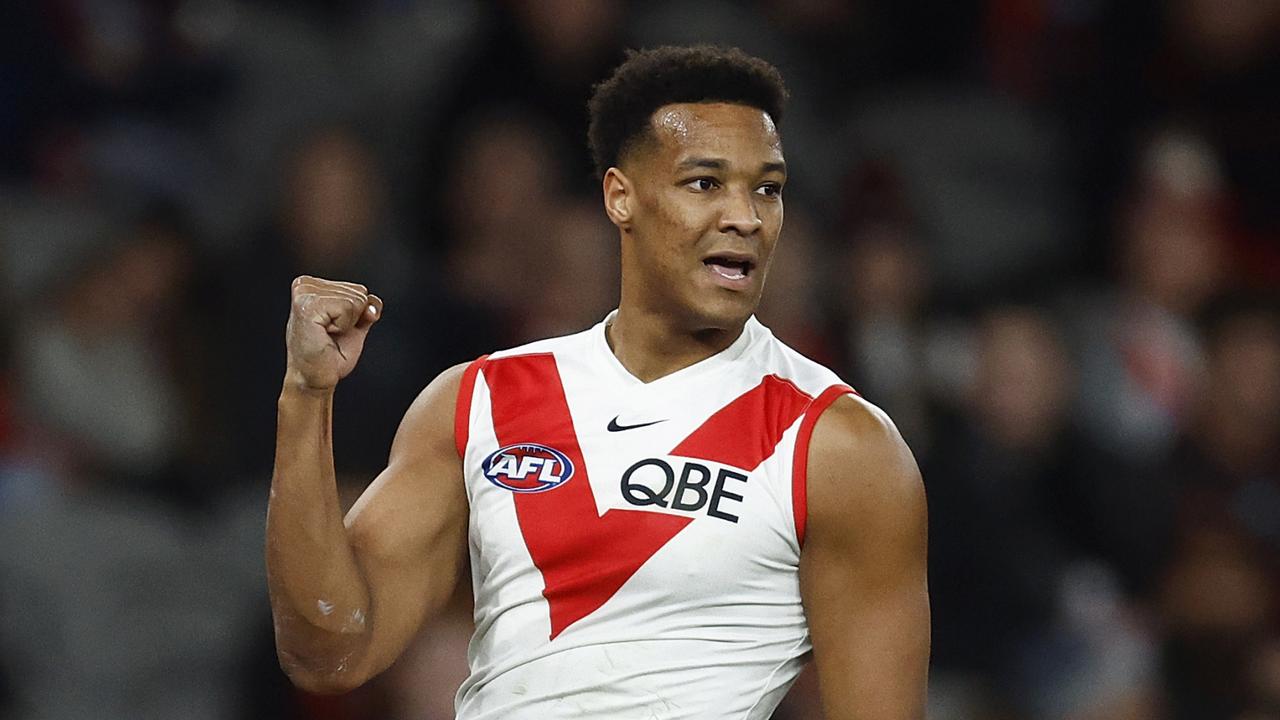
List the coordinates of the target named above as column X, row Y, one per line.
column 527, row 468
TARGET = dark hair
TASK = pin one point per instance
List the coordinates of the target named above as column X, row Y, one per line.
column 621, row 106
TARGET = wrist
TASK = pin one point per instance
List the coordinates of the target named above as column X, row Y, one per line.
column 296, row 385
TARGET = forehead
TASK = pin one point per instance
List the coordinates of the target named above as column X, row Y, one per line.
column 722, row 128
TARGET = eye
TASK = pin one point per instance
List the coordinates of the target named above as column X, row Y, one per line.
column 702, row 184
column 771, row 190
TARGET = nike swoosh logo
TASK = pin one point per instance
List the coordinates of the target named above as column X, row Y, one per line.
column 615, row 427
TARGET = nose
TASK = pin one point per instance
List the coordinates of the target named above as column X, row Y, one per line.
column 739, row 214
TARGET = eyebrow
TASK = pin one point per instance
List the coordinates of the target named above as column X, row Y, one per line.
column 718, row 164
column 697, row 162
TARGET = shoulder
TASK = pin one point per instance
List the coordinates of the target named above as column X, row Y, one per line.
column 861, row 471
column 852, row 424
column 442, row 391
column 429, row 422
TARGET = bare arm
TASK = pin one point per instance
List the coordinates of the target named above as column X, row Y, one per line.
column 862, row 570
column 348, row 596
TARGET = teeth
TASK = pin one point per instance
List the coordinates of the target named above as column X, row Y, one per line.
column 727, row 273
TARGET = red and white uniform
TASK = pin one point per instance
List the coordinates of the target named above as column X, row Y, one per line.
column 635, row 546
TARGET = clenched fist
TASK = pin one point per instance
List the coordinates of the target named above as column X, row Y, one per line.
column 328, row 322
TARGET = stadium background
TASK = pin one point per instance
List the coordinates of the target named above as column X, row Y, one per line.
column 1042, row 233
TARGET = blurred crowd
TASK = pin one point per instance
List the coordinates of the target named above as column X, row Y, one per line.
column 1043, row 234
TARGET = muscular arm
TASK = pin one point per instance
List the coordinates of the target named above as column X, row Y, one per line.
column 348, row 596
column 862, row 570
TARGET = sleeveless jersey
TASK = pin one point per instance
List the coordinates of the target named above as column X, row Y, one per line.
column 635, row 546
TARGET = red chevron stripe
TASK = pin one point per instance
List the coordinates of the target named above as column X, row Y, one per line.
column 584, row 557
column 745, row 432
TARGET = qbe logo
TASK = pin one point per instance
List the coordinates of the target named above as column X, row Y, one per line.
column 527, row 468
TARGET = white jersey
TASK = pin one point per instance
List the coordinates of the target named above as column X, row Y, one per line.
column 635, row 546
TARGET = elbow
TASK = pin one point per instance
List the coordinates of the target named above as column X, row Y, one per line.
column 319, row 659
column 321, row 678
column 317, row 684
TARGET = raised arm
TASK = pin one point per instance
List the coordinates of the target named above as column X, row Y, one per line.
column 348, row 596
column 862, row 570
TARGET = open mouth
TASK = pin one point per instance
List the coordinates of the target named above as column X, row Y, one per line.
column 729, row 268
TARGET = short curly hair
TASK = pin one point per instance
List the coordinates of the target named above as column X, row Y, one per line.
column 621, row 106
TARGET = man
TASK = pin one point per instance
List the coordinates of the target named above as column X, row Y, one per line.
column 666, row 513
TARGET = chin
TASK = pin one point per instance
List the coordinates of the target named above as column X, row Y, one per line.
column 723, row 313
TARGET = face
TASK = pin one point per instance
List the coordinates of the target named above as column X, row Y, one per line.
column 700, row 208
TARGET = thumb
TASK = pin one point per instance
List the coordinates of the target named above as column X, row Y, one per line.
column 372, row 312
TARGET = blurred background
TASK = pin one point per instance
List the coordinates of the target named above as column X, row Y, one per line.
column 1043, row 234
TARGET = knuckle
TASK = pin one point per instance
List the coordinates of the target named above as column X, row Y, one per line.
column 356, row 288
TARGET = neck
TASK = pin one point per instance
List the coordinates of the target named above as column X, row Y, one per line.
column 650, row 345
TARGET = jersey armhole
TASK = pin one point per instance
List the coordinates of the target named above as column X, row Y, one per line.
column 462, row 409
column 800, row 463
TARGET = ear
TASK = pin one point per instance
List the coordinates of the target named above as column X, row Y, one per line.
column 619, row 198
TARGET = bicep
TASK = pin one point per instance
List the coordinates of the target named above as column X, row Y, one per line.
column 863, row 568
column 408, row 529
